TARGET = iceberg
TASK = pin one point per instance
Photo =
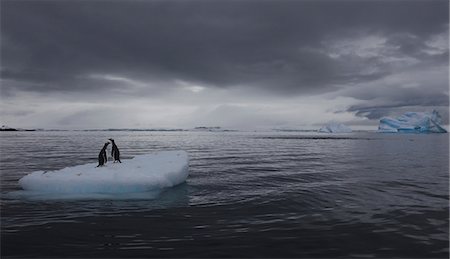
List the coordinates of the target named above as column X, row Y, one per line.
column 334, row 127
column 413, row 122
column 143, row 173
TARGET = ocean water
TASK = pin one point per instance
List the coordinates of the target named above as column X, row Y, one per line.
column 249, row 194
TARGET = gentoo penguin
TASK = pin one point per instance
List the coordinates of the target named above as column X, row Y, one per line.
column 115, row 153
column 102, row 159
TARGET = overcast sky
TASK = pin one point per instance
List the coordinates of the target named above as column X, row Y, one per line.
column 235, row 64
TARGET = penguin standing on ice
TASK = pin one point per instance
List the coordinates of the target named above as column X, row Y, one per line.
column 115, row 153
column 102, row 158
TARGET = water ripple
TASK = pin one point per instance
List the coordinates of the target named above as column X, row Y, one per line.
column 249, row 194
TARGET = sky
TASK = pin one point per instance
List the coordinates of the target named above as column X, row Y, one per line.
column 238, row 64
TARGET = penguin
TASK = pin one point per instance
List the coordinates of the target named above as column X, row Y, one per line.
column 102, row 159
column 115, row 153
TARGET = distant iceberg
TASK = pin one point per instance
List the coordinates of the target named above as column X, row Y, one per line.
column 413, row 122
column 211, row 129
column 334, row 127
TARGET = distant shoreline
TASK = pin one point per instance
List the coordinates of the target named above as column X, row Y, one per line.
column 11, row 129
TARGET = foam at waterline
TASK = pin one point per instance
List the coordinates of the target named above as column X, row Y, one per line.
column 144, row 173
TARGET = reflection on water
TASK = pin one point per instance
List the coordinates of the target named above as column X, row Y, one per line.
column 249, row 194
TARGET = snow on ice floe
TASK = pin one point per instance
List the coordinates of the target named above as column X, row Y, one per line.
column 143, row 173
column 414, row 122
column 334, row 127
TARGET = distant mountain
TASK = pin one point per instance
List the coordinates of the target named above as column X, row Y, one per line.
column 6, row 128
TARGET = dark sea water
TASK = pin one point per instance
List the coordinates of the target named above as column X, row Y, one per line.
column 249, row 194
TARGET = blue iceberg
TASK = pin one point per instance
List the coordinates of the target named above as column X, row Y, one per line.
column 334, row 127
column 413, row 122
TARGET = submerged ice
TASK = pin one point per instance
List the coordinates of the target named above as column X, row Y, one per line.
column 143, row 173
column 334, row 127
column 416, row 122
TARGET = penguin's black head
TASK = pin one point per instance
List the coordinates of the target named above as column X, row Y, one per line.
column 112, row 140
column 106, row 144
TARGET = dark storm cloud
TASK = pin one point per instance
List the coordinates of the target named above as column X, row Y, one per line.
column 376, row 111
column 278, row 46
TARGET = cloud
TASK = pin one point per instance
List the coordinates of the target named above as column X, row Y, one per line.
column 417, row 89
column 197, row 52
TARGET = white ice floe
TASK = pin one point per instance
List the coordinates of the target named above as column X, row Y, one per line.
column 334, row 127
column 414, row 122
column 143, row 173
